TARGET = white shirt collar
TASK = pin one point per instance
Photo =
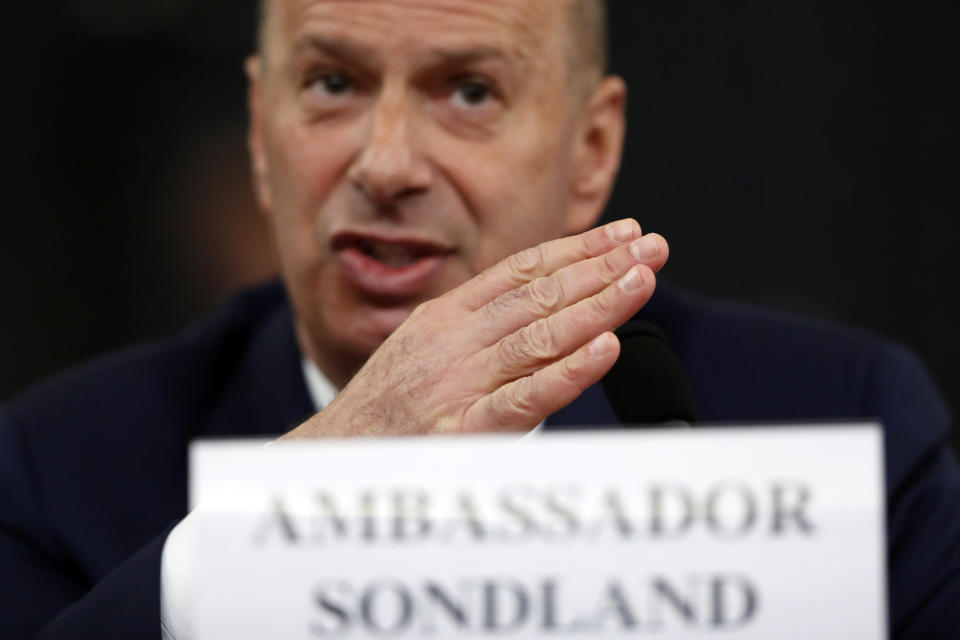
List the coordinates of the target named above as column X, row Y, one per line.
column 322, row 392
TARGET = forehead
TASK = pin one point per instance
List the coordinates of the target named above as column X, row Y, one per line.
column 518, row 28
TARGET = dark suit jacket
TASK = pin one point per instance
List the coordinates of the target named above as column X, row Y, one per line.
column 93, row 464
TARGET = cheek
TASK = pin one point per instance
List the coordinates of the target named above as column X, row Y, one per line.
column 527, row 200
column 305, row 167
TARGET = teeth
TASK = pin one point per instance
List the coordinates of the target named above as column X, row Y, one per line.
column 391, row 254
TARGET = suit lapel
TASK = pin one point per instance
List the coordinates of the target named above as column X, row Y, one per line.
column 266, row 394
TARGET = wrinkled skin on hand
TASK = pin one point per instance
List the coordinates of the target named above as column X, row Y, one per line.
column 507, row 348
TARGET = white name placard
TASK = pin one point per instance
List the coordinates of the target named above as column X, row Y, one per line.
column 706, row 533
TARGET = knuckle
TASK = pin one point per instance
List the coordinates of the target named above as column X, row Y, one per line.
column 521, row 398
column 533, row 346
column 545, row 295
column 513, row 350
column 610, row 267
column 570, row 370
column 543, row 340
column 527, row 263
column 602, row 306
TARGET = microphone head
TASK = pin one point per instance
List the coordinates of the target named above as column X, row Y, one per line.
column 646, row 386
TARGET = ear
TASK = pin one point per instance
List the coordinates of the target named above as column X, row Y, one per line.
column 597, row 152
column 259, row 166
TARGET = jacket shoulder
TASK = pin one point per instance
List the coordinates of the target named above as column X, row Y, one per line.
column 178, row 374
column 108, row 437
column 752, row 363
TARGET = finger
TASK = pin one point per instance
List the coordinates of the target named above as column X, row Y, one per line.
column 547, row 295
column 542, row 260
column 549, row 339
column 524, row 403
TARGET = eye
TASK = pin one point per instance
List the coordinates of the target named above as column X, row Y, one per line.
column 472, row 93
column 333, row 83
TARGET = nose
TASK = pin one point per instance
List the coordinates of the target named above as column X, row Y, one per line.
column 391, row 165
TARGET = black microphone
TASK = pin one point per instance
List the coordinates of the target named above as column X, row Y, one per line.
column 646, row 386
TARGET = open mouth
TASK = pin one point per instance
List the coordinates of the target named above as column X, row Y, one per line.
column 389, row 266
column 395, row 253
column 391, row 254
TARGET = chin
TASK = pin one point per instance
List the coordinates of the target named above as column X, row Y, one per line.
column 369, row 327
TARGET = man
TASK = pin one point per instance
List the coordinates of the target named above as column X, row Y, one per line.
column 395, row 169
column 408, row 154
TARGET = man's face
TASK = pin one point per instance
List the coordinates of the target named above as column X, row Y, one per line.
column 402, row 146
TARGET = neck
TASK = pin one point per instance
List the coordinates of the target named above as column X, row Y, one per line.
column 338, row 366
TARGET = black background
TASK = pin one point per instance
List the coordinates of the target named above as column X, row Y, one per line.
column 796, row 154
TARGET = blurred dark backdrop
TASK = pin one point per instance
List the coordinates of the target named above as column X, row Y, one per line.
column 800, row 154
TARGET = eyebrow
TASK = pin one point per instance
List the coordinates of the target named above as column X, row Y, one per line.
column 334, row 47
column 467, row 55
column 352, row 51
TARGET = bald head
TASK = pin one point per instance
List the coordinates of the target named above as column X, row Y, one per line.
column 587, row 46
column 588, row 39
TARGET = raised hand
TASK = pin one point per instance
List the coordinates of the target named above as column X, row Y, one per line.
column 507, row 348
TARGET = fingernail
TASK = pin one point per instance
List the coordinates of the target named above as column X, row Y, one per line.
column 620, row 231
column 600, row 345
column 632, row 281
column 646, row 248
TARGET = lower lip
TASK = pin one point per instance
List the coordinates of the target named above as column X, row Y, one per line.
column 376, row 278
